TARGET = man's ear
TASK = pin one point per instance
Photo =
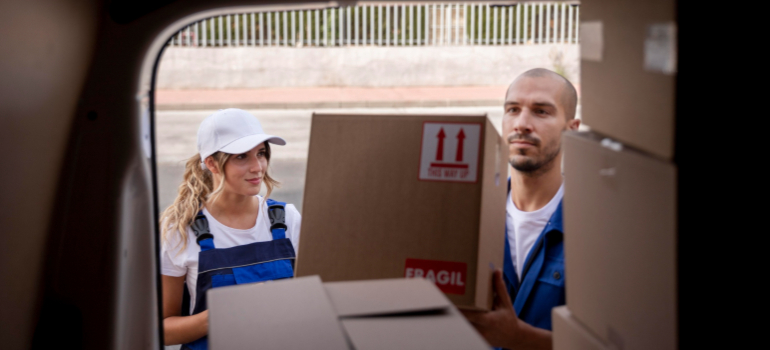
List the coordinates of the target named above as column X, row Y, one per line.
column 573, row 124
column 211, row 165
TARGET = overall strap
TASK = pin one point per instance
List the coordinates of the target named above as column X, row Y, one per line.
column 276, row 211
column 200, row 227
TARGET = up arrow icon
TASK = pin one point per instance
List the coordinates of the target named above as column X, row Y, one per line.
column 440, row 150
column 460, row 138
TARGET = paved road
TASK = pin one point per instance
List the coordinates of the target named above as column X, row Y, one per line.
column 176, row 141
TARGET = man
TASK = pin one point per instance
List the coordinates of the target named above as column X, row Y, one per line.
column 539, row 106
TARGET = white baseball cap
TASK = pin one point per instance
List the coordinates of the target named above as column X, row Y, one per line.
column 233, row 131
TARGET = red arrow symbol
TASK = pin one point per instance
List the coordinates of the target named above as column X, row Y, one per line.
column 460, row 138
column 440, row 151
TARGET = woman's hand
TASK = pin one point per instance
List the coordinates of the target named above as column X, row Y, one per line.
column 180, row 329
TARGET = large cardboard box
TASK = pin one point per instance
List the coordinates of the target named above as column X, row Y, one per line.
column 626, row 91
column 620, row 243
column 390, row 196
column 570, row 334
column 303, row 313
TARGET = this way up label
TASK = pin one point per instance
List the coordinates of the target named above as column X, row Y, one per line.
column 450, row 151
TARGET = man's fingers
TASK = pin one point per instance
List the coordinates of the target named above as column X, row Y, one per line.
column 472, row 316
column 502, row 293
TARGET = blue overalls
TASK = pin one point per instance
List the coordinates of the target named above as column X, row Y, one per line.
column 542, row 286
column 248, row 263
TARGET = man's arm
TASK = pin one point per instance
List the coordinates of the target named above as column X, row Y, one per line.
column 502, row 328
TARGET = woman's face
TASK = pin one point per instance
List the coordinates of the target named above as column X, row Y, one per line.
column 245, row 172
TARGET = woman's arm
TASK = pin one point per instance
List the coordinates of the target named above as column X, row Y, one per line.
column 180, row 329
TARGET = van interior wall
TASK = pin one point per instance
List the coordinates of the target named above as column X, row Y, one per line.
column 356, row 66
column 46, row 48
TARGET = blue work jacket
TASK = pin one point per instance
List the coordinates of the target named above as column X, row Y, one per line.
column 542, row 286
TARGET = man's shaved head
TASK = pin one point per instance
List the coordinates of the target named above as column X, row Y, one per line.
column 568, row 98
column 539, row 106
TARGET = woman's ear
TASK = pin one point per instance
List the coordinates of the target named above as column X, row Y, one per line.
column 211, row 164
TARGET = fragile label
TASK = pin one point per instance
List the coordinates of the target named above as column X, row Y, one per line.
column 448, row 276
column 450, row 151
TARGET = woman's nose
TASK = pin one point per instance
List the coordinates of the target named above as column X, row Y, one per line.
column 256, row 165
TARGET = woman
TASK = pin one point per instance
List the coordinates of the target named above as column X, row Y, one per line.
column 219, row 231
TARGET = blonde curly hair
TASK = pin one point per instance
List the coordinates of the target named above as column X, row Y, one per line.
column 196, row 190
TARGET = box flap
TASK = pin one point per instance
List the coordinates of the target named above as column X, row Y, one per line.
column 443, row 330
column 383, row 297
column 286, row 314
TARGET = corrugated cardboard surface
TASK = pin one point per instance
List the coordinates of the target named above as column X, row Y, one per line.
column 442, row 330
column 620, row 243
column 303, row 313
column 569, row 334
column 286, row 314
column 365, row 211
column 400, row 314
column 384, row 297
column 491, row 211
column 619, row 97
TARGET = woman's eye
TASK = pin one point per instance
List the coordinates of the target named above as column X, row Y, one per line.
column 240, row 156
column 261, row 154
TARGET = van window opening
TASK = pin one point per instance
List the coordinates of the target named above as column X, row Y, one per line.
column 373, row 58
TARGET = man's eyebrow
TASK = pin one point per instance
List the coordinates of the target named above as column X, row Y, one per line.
column 511, row 103
column 544, row 104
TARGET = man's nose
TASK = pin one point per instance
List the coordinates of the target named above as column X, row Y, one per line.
column 523, row 123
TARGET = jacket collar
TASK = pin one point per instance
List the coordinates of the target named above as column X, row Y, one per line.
column 523, row 289
column 538, row 257
column 556, row 222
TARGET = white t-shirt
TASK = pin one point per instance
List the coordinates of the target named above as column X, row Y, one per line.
column 525, row 226
column 186, row 262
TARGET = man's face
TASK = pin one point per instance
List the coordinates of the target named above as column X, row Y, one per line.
column 533, row 121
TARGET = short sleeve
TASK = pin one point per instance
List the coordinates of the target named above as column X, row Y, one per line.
column 172, row 265
column 294, row 222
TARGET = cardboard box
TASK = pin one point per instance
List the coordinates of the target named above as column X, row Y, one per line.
column 570, row 334
column 400, row 314
column 379, row 314
column 391, row 196
column 620, row 243
column 286, row 314
column 623, row 94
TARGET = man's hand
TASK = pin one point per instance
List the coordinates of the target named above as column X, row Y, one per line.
column 502, row 328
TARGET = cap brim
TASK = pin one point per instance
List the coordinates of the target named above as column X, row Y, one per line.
column 245, row 144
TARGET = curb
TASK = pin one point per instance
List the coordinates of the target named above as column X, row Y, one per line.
column 338, row 104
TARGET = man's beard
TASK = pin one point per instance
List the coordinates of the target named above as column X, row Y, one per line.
column 534, row 166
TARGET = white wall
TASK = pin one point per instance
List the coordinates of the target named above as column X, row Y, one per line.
column 263, row 67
